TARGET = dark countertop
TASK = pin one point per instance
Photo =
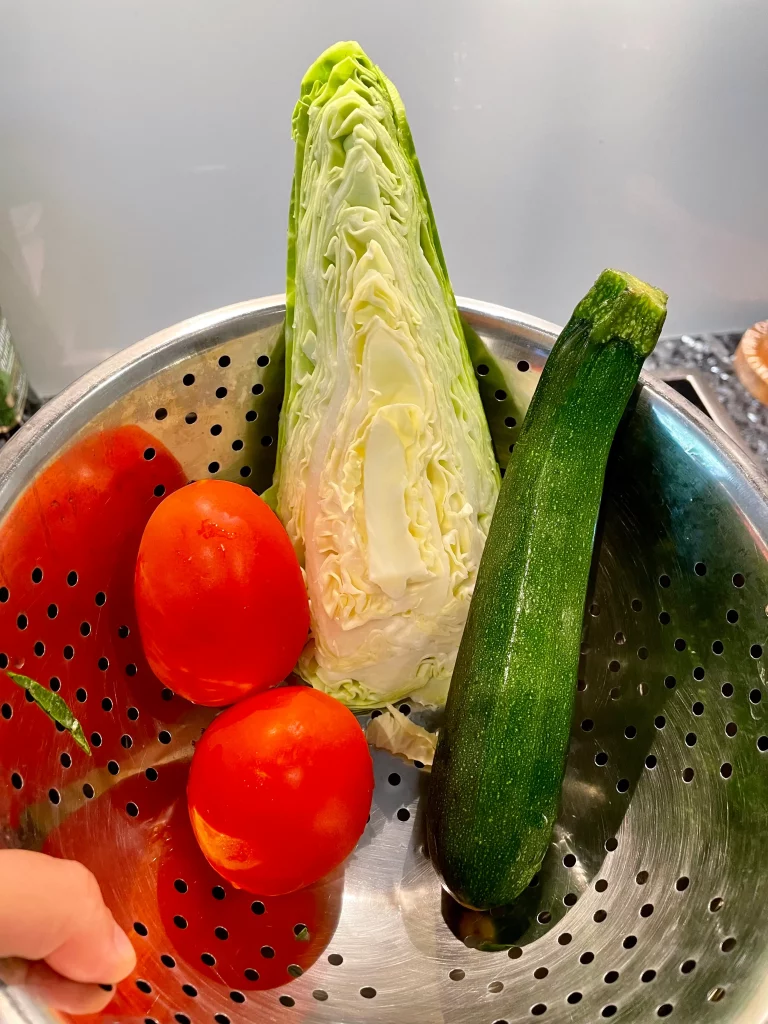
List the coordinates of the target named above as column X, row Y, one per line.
column 708, row 354
column 33, row 404
column 711, row 355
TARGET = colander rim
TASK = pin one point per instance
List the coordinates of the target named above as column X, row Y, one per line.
column 65, row 414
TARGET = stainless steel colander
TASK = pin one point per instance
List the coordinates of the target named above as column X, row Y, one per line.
column 653, row 899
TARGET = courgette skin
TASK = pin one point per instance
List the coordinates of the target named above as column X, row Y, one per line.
column 498, row 769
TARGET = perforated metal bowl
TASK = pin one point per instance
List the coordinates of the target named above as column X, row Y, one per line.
column 652, row 899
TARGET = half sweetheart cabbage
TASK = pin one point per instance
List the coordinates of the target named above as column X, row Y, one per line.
column 386, row 478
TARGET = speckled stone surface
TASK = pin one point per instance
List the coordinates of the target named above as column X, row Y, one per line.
column 712, row 356
column 33, row 404
column 709, row 354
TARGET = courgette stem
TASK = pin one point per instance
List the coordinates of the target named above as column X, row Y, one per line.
column 501, row 754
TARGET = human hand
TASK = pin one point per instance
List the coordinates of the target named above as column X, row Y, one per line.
column 52, row 915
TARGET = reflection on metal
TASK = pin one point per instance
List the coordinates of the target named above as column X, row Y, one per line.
column 651, row 899
column 696, row 388
column 16, row 1005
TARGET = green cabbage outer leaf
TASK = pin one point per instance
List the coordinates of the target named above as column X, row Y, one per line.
column 386, row 478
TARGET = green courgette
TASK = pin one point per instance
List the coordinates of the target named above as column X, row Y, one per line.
column 500, row 758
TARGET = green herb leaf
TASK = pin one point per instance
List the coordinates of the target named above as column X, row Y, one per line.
column 303, row 935
column 53, row 706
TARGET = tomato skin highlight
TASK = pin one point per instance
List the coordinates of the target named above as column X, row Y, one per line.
column 220, row 599
column 280, row 789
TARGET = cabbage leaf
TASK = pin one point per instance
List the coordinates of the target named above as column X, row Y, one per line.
column 386, row 478
column 397, row 734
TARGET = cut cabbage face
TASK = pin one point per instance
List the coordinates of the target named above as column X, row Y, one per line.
column 386, row 478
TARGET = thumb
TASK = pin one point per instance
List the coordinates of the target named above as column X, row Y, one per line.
column 52, row 910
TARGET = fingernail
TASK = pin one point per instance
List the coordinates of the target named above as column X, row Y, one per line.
column 122, row 944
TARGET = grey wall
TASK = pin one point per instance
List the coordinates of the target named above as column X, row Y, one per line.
column 146, row 154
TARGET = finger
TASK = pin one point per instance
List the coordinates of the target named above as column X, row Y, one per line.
column 58, row 993
column 52, row 909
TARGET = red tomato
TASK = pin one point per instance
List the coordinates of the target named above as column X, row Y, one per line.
column 280, row 789
column 220, row 599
